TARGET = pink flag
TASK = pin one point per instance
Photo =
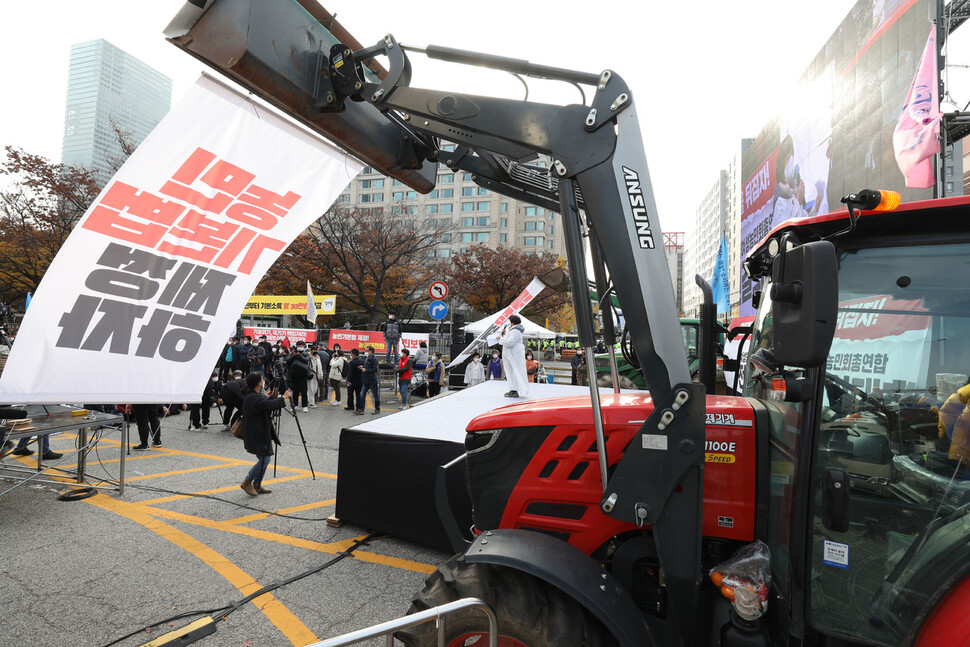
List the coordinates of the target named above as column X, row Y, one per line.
column 917, row 135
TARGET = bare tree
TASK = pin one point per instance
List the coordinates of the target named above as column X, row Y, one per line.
column 125, row 139
column 374, row 261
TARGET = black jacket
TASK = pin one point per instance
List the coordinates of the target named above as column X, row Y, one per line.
column 576, row 360
column 240, row 357
column 268, row 347
column 392, row 329
column 232, row 392
column 210, row 392
column 298, row 365
column 371, row 367
column 353, row 373
column 257, row 422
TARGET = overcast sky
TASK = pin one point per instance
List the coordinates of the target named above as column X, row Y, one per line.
column 704, row 74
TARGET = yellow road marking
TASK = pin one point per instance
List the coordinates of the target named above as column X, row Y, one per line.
column 227, row 488
column 206, row 468
column 284, row 620
column 237, row 461
column 263, row 515
column 297, row 542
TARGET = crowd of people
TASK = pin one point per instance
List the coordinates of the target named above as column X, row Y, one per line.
column 253, row 378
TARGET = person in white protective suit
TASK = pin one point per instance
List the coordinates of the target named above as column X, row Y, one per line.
column 513, row 357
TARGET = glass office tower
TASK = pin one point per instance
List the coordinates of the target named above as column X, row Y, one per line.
column 107, row 89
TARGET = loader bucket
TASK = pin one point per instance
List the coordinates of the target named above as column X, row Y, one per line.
column 277, row 51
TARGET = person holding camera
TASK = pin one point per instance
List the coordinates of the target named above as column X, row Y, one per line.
column 258, row 432
column 353, row 380
column 298, row 366
column 369, row 382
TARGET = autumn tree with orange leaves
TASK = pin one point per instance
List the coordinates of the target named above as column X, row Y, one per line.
column 488, row 279
column 39, row 206
column 374, row 261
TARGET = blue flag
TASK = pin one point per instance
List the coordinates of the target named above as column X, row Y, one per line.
column 720, row 285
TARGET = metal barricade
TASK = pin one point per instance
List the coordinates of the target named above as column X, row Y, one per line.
column 436, row 613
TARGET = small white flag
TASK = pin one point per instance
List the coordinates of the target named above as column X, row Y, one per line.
column 311, row 307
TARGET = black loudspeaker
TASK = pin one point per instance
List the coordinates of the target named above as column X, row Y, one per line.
column 457, row 330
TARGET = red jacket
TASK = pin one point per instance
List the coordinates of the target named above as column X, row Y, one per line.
column 404, row 363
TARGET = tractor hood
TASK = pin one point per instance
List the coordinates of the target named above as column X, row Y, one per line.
column 619, row 409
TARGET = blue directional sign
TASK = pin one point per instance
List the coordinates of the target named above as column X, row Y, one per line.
column 438, row 310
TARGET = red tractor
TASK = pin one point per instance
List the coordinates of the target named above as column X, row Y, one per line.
column 612, row 519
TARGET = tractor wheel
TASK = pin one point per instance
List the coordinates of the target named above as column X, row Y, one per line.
column 605, row 381
column 530, row 612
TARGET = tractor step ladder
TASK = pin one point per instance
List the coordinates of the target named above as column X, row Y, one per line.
column 436, row 613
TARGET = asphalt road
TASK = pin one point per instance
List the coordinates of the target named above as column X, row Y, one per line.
column 89, row 572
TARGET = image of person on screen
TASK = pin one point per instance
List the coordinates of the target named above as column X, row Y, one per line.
column 789, row 200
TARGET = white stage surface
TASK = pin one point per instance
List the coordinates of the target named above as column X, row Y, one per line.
column 386, row 468
column 446, row 416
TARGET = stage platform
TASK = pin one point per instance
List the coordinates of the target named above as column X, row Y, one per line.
column 386, row 467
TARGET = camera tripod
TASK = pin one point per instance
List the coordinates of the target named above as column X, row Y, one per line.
column 277, row 384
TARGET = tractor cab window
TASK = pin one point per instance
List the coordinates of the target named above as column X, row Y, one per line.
column 894, row 430
column 688, row 330
column 785, row 445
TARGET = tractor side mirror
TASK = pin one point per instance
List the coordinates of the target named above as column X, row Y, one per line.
column 804, row 295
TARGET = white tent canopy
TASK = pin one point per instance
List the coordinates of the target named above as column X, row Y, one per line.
column 532, row 329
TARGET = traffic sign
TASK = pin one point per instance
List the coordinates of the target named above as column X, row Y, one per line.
column 438, row 290
column 438, row 310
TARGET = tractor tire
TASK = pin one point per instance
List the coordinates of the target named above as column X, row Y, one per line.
column 530, row 612
column 605, row 381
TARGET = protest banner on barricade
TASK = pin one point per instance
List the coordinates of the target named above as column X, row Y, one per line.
column 288, row 336
column 135, row 305
column 360, row 339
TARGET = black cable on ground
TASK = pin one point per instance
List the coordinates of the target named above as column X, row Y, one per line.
column 152, row 488
column 222, row 613
column 272, row 587
column 201, row 496
column 187, row 614
column 77, row 494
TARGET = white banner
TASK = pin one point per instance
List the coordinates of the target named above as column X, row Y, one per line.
column 135, row 306
column 521, row 301
column 412, row 340
column 881, row 343
column 734, row 351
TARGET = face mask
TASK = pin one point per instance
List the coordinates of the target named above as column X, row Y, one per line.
column 300, row 349
column 494, row 356
column 215, row 379
column 476, row 360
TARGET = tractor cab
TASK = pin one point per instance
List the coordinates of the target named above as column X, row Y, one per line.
column 869, row 494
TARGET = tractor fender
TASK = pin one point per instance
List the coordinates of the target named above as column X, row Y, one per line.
column 568, row 569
